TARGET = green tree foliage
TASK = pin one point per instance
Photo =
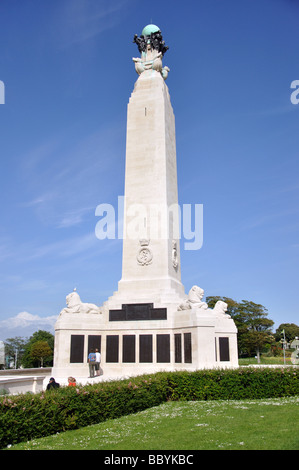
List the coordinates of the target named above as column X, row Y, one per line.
column 30, row 360
column 291, row 330
column 14, row 349
column 40, row 350
column 258, row 328
column 18, row 350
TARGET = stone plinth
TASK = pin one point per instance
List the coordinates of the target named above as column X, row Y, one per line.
column 188, row 339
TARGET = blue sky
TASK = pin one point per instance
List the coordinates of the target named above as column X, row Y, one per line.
column 68, row 74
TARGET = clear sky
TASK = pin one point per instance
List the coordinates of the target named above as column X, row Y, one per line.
column 68, row 75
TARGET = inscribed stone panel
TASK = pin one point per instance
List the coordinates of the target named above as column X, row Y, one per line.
column 112, row 346
column 178, row 347
column 224, row 348
column 77, row 348
column 129, row 343
column 187, row 348
column 163, row 348
column 146, row 348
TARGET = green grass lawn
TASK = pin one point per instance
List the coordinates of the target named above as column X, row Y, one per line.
column 266, row 360
column 224, row 425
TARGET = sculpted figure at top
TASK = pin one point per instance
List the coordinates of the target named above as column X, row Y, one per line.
column 74, row 305
column 152, row 48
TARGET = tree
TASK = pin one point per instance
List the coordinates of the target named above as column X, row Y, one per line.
column 40, row 335
column 290, row 330
column 258, row 328
column 40, row 350
column 15, row 348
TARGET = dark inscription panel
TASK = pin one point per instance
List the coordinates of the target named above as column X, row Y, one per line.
column 112, row 345
column 77, row 348
column 187, row 348
column 158, row 314
column 129, row 346
column 145, row 348
column 163, row 348
column 117, row 315
column 94, row 342
column 224, row 349
column 137, row 311
column 133, row 312
column 178, row 347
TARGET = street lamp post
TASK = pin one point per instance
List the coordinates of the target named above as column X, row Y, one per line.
column 284, row 346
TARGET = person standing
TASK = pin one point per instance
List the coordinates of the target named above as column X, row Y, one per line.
column 98, row 362
column 91, row 362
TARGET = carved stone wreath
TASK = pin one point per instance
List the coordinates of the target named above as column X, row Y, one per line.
column 144, row 256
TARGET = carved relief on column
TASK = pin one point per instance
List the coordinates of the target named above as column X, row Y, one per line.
column 145, row 255
column 175, row 259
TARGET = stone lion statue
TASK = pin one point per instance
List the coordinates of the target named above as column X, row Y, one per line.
column 194, row 300
column 221, row 308
column 74, row 305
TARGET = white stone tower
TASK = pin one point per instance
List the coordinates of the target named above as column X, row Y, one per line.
column 149, row 323
column 151, row 268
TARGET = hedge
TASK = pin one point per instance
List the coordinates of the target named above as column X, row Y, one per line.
column 27, row 416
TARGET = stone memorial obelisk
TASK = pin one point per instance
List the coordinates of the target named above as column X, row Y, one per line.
column 151, row 268
column 149, row 323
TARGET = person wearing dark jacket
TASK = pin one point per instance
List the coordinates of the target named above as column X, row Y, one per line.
column 52, row 384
